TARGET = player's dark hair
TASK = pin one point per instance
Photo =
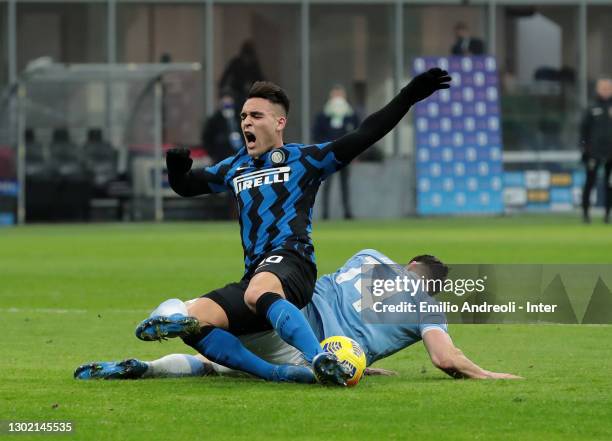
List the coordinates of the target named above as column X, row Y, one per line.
column 271, row 92
column 436, row 271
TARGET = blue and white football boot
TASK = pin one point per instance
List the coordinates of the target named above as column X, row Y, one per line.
column 161, row 327
column 328, row 370
column 294, row 374
column 111, row 370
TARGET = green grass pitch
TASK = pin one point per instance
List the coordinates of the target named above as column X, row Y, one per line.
column 71, row 294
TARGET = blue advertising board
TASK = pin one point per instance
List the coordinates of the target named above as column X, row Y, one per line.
column 459, row 165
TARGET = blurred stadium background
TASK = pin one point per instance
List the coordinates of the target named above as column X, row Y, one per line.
column 93, row 92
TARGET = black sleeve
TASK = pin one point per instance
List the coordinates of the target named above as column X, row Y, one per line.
column 192, row 183
column 373, row 128
column 202, row 181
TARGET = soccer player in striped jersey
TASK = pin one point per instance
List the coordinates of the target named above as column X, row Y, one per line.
column 275, row 185
column 335, row 309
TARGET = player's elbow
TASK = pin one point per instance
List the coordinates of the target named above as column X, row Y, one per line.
column 446, row 360
column 182, row 188
column 442, row 362
column 177, row 184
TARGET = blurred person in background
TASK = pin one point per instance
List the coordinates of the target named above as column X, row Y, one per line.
column 241, row 72
column 465, row 44
column 596, row 143
column 221, row 136
column 336, row 120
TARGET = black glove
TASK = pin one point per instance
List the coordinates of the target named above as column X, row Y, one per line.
column 178, row 161
column 427, row 83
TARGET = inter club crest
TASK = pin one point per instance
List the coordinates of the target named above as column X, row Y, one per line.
column 277, row 157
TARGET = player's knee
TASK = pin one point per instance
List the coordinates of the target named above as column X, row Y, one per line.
column 261, row 284
column 197, row 311
column 251, row 296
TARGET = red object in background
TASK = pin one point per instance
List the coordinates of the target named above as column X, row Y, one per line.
column 197, row 152
column 7, row 162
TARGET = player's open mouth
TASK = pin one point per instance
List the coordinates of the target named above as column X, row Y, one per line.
column 250, row 138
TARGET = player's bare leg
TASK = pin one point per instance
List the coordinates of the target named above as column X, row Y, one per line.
column 260, row 284
column 173, row 318
column 208, row 313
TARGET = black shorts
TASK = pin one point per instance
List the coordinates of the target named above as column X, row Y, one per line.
column 297, row 275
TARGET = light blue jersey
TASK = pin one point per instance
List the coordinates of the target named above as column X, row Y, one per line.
column 336, row 309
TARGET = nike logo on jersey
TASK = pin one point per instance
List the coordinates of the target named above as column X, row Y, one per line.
column 261, row 177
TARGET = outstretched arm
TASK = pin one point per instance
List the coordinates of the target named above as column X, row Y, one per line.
column 186, row 182
column 377, row 125
column 448, row 358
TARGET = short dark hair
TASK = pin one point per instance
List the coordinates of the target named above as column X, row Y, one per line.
column 436, row 269
column 271, row 92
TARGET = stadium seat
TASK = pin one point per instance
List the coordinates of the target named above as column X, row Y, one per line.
column 37, row 162
column 112, row 191
column 42, row 182
column 100, row 160
column 74, row 190
column 65, row 155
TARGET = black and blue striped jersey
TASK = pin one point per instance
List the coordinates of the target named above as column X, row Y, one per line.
column 276, row 191
column 275, row 194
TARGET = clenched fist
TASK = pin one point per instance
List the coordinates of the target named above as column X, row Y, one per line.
column 178, row 161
